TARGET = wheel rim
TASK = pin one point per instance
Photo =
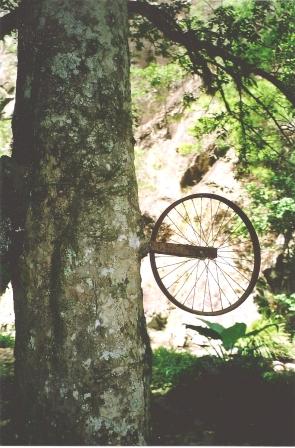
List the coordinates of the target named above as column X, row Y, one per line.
column 203, row 285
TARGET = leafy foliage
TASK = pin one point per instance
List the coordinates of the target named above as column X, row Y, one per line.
column 8, row 5
column 271, row 343
column 231, row 336
column 189, row 148
column 6, row 341
column 168, row 365
column 262, row 33
column 280, row 305
column 152, row 83
column 142, row 31
column 274, row 210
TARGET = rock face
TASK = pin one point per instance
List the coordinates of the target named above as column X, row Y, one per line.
column 280, row 276
column 200, row 166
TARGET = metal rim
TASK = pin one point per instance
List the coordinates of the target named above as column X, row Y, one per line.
column 237, row 212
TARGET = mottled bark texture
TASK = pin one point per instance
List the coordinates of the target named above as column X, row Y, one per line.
column 81, row 345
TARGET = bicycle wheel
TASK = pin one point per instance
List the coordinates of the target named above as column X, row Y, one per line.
column 205, row 254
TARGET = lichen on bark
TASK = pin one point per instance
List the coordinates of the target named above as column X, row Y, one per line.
column 81, row 345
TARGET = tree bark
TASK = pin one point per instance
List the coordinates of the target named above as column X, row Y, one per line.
column 81, row 345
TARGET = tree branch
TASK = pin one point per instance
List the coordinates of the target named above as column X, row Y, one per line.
column 8, row 23
column 193, row 44
column 269, row 113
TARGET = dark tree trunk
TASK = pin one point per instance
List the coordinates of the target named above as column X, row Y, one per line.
column 81, row 344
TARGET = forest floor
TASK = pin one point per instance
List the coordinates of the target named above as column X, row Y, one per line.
column 212, row 403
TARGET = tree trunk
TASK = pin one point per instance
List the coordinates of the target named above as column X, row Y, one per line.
column 81, row 345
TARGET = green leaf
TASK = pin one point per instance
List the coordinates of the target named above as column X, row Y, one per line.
column 215, row 327
column 208, row 332
column 258, row 330
column 232, row 334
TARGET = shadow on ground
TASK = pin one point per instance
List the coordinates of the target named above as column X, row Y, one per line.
column 212, row 402
column 238, row 402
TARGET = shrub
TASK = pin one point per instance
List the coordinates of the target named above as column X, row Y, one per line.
column 168, row 366
column 6, row 341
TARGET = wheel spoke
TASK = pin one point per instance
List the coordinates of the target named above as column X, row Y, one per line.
column 229, row 237
column 197, row 279
column 199, row 218
column 186, row 222
column 186, row 280
column 234, row 267
column 210, row 226
column 205, row 289
column 219, row 287
column 173, row 264
column 218, row 284
column 207, row 269
column 236, row 258
column 193, row 287
column 214, row 220
column 174, row 269
column 224, row 216
column 179, row 230
column 191, row 224
column 227, row 281
column 230, row 276
column 224, row 226
column 177, row 280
